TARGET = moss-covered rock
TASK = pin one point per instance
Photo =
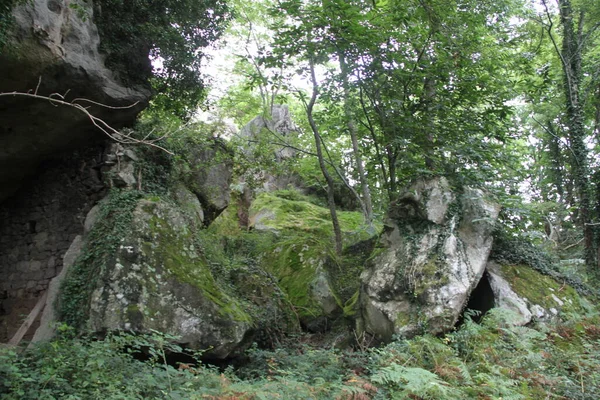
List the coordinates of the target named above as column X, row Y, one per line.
column 301, row 256
column 159, row 279
column 545, row 297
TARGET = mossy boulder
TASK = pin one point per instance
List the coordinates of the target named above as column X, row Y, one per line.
column 434, row 251
column 532, row 294
column 159, row 279
column 301, row 252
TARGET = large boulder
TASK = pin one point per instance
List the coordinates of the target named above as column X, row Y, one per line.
column 301, row 254
column 157, row 277
column 435, row 248
column 53, row 49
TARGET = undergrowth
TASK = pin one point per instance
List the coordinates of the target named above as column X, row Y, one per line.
column 491, row 360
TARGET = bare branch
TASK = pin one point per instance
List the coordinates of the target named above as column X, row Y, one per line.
column 57, row 100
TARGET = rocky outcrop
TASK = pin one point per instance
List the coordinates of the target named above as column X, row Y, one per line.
column 159, row 280
column 210, row 175
column 54, row 49
column 280, row 124
column 436, row 244
column 529, row 295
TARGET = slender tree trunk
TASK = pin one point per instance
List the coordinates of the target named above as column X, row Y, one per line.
column 366, row 193
column 330, row 188
column 556, row 162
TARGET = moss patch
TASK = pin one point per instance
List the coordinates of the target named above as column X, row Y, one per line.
column 298, row 214
column 303, row 250
column 539, row 289
column 174, row 246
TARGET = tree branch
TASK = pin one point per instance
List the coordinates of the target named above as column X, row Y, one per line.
column 57, row 100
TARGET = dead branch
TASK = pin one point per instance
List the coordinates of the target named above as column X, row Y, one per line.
column 57, row 100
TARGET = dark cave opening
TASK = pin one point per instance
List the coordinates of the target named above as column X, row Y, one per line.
column 480, row 301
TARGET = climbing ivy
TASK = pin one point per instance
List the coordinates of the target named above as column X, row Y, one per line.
column 113, row 221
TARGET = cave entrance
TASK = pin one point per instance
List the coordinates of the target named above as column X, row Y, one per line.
column 481, row 300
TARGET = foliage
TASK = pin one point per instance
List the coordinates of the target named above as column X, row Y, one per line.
column 493, row 359
column 173, row 33
column 111, row 226
column 7, row 20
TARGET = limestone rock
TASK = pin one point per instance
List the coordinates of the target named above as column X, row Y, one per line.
column 54, row 48
column 159, row 280
column 505, row 297
column 210, row 177
column 119, row 166
column 280, row 123
column 436, row 245
column 531, row 294
column 47, row 328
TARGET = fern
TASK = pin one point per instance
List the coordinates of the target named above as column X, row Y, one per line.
column 410, row 381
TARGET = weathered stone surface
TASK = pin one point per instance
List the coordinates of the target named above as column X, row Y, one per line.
column 436, row 247
column 505, row 297
column 188, row 202
column 281, row 126
column 210, row 177
column 531, row 294
column 47, row 328
column 159, row 280
column 119, row 166
column 54, row 48
column 280, row 123
column 39, row 223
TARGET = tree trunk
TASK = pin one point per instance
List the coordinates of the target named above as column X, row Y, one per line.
column 366, row 193
column 330, row 188
column 571, row 57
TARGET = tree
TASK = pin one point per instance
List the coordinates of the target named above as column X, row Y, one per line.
column 174, row 32
column 577, row 36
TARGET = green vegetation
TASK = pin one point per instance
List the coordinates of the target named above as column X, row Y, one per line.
column 6, row 20
column 175, row 32
column 112, row 224
column 488, row 360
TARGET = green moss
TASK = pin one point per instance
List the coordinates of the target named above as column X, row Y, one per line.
column 295, row 261
column 539, row 288
column 429, row 276
column 304, row 216
column 174, row 247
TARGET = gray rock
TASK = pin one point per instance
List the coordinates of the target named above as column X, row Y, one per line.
column 160, row 281
column 47, row 328
column 436, row 248
column 505, row 297
column 210, row 177
column 189, row 202
column 119, row 166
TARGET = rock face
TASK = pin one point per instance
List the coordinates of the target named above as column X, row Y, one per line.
column 54, row 48
column 280, row 124
column 38, row 224
column 159, row 280
column 505, row 297
column 529, row 294
column 210, row 176
column 436, row 245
